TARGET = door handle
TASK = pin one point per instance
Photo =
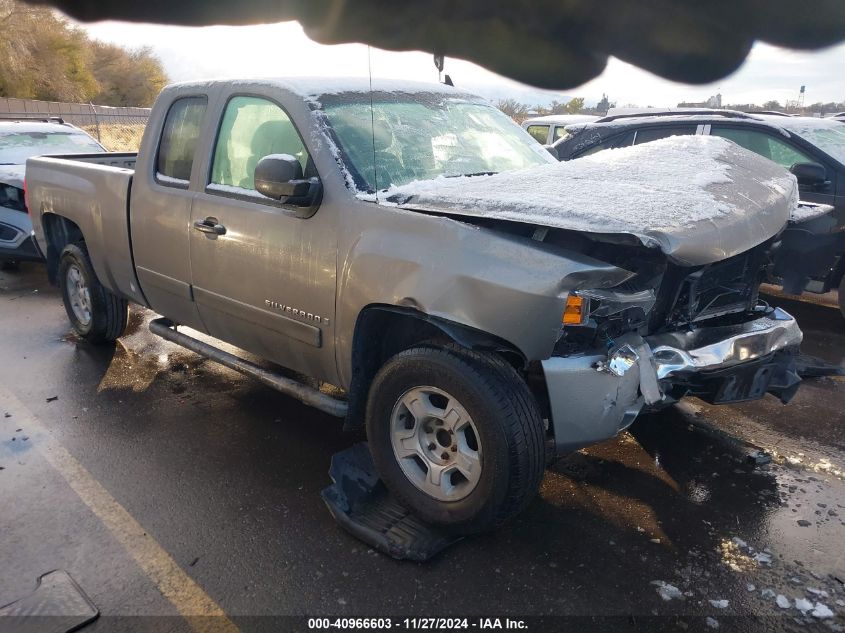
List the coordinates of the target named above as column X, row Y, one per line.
column 210, row 225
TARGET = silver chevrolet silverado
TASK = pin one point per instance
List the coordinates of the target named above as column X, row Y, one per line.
column 479, row 307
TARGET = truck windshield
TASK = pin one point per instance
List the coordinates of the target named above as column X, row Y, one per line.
column 408, row 137
column 16, row 147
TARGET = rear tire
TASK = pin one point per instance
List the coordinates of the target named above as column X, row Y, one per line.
column 469, row 417
column 96, row 314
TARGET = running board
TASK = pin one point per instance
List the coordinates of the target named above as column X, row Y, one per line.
column 166, row 329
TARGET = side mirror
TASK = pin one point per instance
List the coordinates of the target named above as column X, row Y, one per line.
column 280, row 176
column 552, row 150
column 811, row 174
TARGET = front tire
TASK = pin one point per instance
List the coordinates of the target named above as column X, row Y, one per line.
column 96, row 314
column 842, row 295
column 456, row 436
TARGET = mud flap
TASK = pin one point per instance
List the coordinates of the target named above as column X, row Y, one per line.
column 58, row 605
column 359, row 501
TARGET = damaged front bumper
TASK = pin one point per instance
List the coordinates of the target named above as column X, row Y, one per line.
column 593, row 397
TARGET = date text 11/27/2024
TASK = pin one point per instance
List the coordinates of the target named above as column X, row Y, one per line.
column 408, row 624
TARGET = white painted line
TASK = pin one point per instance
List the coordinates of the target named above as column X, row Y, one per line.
column 202, row 613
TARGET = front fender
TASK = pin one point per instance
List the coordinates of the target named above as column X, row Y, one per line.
column 511, row 287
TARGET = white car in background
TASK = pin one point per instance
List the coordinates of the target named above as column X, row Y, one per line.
column 548, row 129
column 20, row 140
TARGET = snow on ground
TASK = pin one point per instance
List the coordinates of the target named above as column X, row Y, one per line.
column 667, row 591
column 673, row 183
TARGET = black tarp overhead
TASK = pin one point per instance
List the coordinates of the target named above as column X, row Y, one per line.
column 556, row 44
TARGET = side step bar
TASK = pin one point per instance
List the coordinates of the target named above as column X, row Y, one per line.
column 166, row 329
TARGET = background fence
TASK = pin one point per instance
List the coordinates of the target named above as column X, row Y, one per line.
column 118, row 129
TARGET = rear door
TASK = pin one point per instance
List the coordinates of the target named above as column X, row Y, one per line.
column 161, row 210
column 265, row 281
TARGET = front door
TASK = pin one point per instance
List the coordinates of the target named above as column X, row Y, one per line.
column 263, row 279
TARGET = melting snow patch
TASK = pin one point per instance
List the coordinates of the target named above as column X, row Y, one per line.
column 719, row 604
column 822, row 611
column 750, row 587
column 713, row 623
column 817, row 592
column 667, row 592
column 763, row 558
column 783, row 601
column 803, row 605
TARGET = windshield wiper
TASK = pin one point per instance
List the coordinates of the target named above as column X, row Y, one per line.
column 475, row 173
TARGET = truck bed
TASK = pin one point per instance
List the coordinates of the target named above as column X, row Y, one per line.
column 92, row 191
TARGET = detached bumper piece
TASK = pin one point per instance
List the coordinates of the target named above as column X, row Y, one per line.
column 58, row 605
column 359, row 501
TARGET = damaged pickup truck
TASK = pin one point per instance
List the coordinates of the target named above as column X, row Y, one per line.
column 479, row 306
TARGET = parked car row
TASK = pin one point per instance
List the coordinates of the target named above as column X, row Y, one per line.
column 810, row 255
column 20, row 140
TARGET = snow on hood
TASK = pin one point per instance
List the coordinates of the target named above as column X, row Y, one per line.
column 12, row 175
column 699, row 199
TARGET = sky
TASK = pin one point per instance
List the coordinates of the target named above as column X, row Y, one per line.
column 284, row 50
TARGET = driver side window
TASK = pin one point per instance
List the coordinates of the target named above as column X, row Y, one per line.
column 251, row 129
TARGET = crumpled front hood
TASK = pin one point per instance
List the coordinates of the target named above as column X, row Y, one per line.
column 12, row 175
column 699, row 199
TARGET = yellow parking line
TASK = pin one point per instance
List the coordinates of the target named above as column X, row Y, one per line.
column 197, row 607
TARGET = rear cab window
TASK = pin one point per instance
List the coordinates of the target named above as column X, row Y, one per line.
column 178, row 143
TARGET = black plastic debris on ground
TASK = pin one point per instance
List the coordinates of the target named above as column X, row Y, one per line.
column 58, row 605
column 359, row 501
column 812, row 367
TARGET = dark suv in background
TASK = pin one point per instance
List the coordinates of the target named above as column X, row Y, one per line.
column 811, row 253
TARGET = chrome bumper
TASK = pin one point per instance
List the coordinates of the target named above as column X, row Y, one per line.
column 720, row 347
column 593, row 397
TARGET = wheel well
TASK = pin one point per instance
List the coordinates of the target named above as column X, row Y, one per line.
column 381, row 332
column 59, row 232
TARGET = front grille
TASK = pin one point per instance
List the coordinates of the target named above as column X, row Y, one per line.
column 691, row 295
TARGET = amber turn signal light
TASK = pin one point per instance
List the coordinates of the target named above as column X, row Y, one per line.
column 573, row 314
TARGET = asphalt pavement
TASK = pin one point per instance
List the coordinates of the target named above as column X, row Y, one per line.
column 181, row 496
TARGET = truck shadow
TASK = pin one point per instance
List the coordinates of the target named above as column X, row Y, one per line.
column 661, row 489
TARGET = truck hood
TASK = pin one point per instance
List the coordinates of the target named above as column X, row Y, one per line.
column 12, row 175
column 699, row 199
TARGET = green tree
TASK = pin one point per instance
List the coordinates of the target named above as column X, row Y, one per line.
column 126, row 78
column 45, row 57
column 575, row 105
column 512, row 108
